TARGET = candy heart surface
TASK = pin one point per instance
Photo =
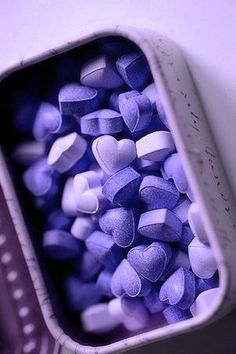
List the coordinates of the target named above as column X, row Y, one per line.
column 66, row 151
column 48, row 121
column 121, row 223
column 88, row 192
column 126, row 281
column 173, row 314
column 160, row 224
column 113, row 155
column 196, row 223
column 152, row 301
column 181, row 209
column 173, row 168
column 179, row 289
column 158, row 193
column 82, row 227
column 150, row 261
column 204, row 302
column 103, row 121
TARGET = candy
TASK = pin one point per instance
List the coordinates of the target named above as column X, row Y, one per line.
column 113, row 102
column 174, row 314
column 68, row 203
column 196, row 224
column 181, row 209
column 134, row 70
column 206, row 284
column 204, row 302
column 158, row 193
column 29, row 152
column 202, row 259
column 126, row 281
column 100, row 72
column 186, row 237
column 60, row 245
column 155, row 146
column 104, row 283
column 97, row 319
column 88, row 192
column 136, row 110
column 153, row 302
column 146, row 165
column 80, row 295
column 48, row 121
column 160, row 224
column 113, row 155
column 121, row 223
column 66, row 151
column 179, row 259
column 82, row 227
column 38, row 178
column 122, row 186
column 87, row 266
column 179, row 289
column 150, row 261
column 173, row 169
column 104, row 249
column 76, row 99
column 103, row 121
column 58, row 220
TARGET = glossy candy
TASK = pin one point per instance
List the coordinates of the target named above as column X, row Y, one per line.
column 82, row 227
column 80, row 295
column 38, row 178
column 204, row 302
column 60, row 245
column 48, row 121
column 113, row 155
column 97, row 319
column 103, row 121
column 155, row 146
column 196, row 224
column 202, row 259
column 126, row 281
column 88, row 192
column 136, row 110
column 76, row 99
column 100, row 72
column 121, row 223
column 150, row 261
column 66, row 151
column 121, row 187
column 158, row 193
column 128, row 65
column 103, row 247
column 179, row 289
column 160, row 224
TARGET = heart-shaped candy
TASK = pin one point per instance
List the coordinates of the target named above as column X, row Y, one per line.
column 152, row 301
column 48, row 121
column 150, row 261
column 121, row 223
column 126, row 281
column 66, row 151
column 179, row 289
column 88, row 192
column 173, row 168
column 113, row 155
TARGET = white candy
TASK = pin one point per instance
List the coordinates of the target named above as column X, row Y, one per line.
column 202, row 259
column 204, row 302
column 68, row 203
column 196, row 224
column 97, row 319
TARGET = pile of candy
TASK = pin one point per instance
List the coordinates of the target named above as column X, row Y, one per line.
column 104, row 166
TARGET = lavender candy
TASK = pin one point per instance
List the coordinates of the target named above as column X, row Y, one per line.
column 103, row 283
column 68, row 201
column 160, row 224
column 80, row 295
column 152, row 300
column 196, row 224
column 82, row 227
column 102, row 246
column 174, row 314
column 76, row 99
column 173, row 168
column 60, row 245
column 29, row 152
column 158, row 193
column 66, row 151
column 48, row 121
column 103, row 121
column 127, row 282
column 150, row 261
column 155, row 146
column 121, row 223
column 100, row 72
column 136, row 110
column 186, row 237
column 38, row 178
column 179, row 289
column 181, row 209
column 134, row 70
column 97, row 319
column 113, row 155
column 87, row 266
column 121, row 187
column 205, row 302
column 202, row 259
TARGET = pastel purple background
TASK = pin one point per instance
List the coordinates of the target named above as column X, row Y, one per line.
column 204, row 30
